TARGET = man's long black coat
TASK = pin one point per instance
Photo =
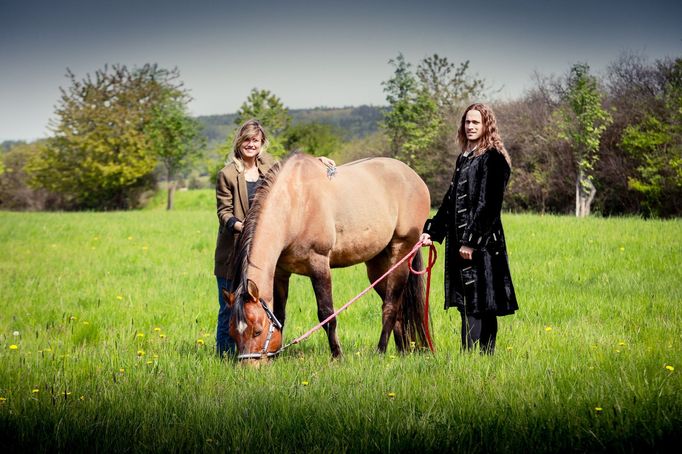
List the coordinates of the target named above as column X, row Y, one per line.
column 470, row 215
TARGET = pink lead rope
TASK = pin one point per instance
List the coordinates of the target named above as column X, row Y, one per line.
column 410, row 256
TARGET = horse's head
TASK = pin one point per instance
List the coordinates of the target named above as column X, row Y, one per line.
column 253, row 325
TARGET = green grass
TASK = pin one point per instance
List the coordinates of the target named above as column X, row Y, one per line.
column 113, row 318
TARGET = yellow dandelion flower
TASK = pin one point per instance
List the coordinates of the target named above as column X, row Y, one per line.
column 548, row 328
column 140, row 353
column 86, row 322
column 122, row 370
column 157, row 329
column 130, row 238
column 391, row 395
column 598, row 409
column 2, row 400
column 140, row 335
column 35, row 390
column 358, row 353
column 621, row 343
column 155, row 356
column 149, row 361
column 670, row 368
column 145, row 247
column 622, row 248
column 162, row 336
column 200, row 341
column 14, row 347
column 509, row 348
column 119, row 297
column 305, row 383
column 82, row 397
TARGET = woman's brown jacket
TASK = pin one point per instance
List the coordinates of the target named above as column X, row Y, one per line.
column 232, row 200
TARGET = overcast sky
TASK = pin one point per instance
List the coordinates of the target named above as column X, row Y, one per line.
column 309, row 53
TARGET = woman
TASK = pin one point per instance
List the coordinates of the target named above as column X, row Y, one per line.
column 477, row 277
column 235, row 189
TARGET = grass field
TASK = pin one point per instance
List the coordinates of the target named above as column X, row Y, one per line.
column 107, row 334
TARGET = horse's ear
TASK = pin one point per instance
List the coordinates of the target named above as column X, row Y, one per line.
column 229, row 297
column 252, row 288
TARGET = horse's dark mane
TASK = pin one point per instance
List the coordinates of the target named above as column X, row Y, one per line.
column 240, row 260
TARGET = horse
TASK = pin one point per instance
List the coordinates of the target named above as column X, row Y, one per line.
column 305, row 220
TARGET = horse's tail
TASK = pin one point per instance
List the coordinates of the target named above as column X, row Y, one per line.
column 414, row 308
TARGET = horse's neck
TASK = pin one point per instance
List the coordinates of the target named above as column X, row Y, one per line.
column 270, row 238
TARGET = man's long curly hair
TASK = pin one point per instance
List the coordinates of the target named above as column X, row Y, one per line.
column 491, row 136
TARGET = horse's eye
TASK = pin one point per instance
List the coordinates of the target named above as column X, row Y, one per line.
column 257, row 331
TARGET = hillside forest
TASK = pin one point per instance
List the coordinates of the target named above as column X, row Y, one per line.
column 581, row 143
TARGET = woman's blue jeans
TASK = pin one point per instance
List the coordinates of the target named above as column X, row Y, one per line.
column 225, row 345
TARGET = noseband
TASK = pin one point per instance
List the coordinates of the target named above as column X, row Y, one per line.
column 274, row 324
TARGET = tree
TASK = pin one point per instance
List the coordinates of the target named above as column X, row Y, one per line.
column 266, row 108
column 175, row 139
column 15, row 192
column 582, row 122
column 99, row 157
column 317, row 139
column 412, row 121
column 655, row 143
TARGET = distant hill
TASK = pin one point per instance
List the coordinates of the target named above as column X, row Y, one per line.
column 350, row 122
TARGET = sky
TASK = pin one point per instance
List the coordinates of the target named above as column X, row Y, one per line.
column 310, row 53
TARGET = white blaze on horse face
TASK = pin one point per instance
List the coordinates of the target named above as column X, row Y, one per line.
column 241, row 327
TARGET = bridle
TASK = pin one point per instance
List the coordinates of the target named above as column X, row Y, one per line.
column 274, row 324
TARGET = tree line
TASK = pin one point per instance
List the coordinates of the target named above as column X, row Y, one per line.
column 580, row 143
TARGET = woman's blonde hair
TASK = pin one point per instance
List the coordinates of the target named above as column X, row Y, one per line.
column 248, row 130
column 490, row 137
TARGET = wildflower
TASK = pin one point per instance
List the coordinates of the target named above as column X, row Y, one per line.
column 305, row 383
column 157, row 329
column 82, row 397
column 149, row 361
column 119, row 297
column 548, row 328
column 73, row 318
column 413, row 344
column 162, row 336
column 200, row 341
column 391, row 395
column 130, row 238
column 598, row 409
column 140, row 335
column 145, row 247
column 140, row 353
column 85, row 322
column 15, row 334
column 14, row 347
column 122, row 370
column 35, row 390
column 670, row 368
column 358, row 353
column 509, row 348
column 622, row 248
column 621, row 343
column 2, row 400
column 155, row 356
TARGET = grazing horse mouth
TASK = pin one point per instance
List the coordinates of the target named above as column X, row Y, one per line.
column 274, row 325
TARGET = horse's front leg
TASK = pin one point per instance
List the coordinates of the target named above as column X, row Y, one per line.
column 322, row 285
column 281, row 294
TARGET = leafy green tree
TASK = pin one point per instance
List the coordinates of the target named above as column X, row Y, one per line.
column 656, row 144
column 174, row 137
column 266, row 108
column 317, row 139
column 412, row 121
column 15, row 191
column 582, row 123
column 99, row 157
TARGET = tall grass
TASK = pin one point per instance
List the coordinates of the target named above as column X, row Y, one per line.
column 107, row 334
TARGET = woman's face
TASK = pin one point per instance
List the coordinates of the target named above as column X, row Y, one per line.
column 473, row 126
column 250, row 147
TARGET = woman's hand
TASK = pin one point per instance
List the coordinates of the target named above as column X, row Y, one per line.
column 326, row 161
column 238, row 226
column 466, row 252
column 426, row 239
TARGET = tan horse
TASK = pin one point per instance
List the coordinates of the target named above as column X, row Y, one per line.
column 303, row 221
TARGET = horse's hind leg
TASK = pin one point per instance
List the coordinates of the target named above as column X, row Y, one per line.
column 390, row 290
